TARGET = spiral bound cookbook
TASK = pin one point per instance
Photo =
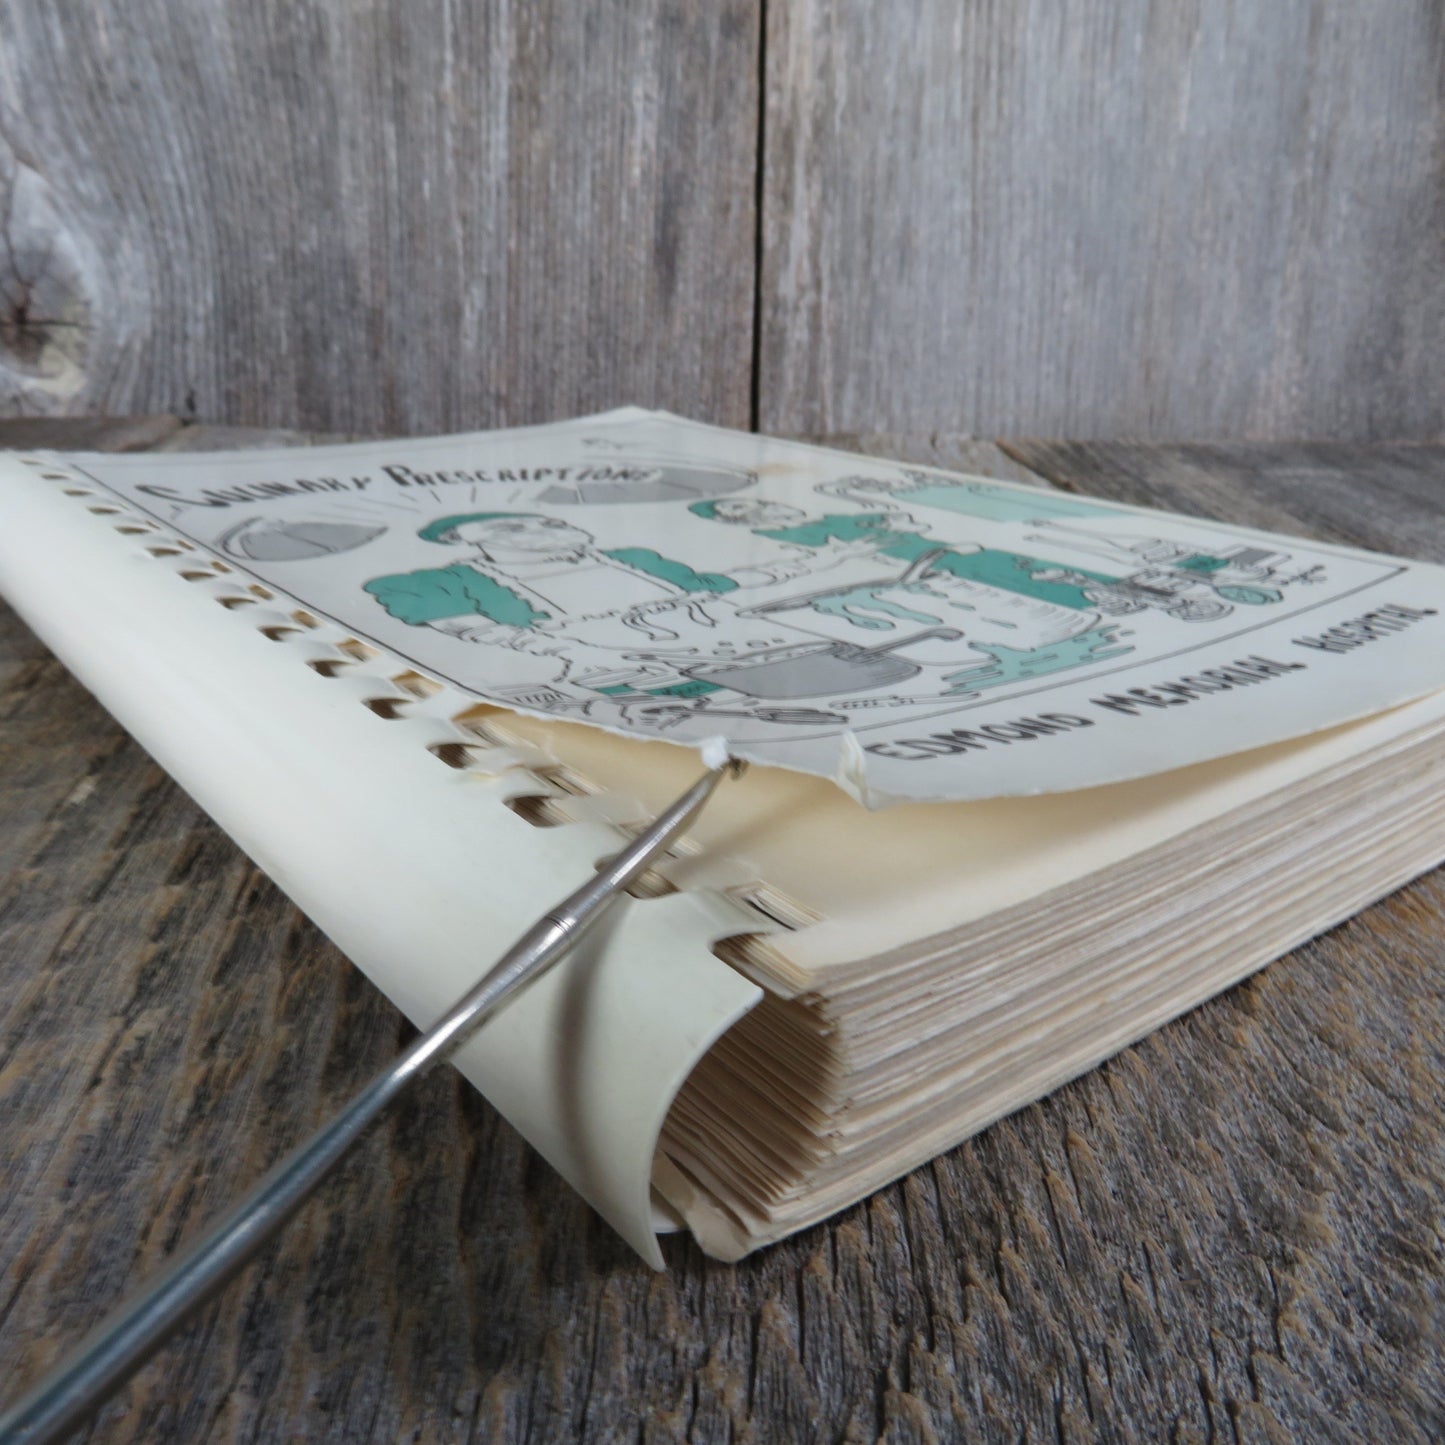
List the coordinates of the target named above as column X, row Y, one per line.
column 1032, row 773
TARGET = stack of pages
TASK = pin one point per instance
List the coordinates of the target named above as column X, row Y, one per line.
column 1031, row 773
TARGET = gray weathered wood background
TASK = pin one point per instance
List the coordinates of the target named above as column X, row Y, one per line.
column 1152, row 218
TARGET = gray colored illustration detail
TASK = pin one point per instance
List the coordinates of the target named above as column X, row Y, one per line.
column 820, row 669
column 642, row 480
column 271, row 539
column 965, row 497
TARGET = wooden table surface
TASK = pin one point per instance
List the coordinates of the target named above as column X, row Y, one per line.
column 1233, row 1231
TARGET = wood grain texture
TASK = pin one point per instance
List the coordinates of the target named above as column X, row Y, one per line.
column 1232, row 1231
column 94, row 433
column 939, row 449
column 1279, row 486
column 378, row 217
column 1137, row 220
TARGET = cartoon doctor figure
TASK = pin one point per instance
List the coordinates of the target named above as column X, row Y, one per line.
column 526, row 571
column 617, row 622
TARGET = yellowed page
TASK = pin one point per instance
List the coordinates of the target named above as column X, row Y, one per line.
column 883, row 880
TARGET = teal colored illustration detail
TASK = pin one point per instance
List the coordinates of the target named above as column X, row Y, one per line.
column 1010, row 571
column 692, row 688
column 632, row 631
column 858, row 602
column 996, row 505
column 1014, row 665
column 456, row 591
column 1252, row 596
column 666, row 569
column 832, row 528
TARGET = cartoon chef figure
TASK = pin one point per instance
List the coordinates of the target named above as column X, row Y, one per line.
column 524, row 571
column 616, row 621
column 994, row 596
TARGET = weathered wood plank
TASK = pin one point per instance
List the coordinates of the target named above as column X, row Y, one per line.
column 208, row 438
column 391, row 217
column 1232, row 1231
column 1323, row 490
column 93, row 434
column 1130, row 220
